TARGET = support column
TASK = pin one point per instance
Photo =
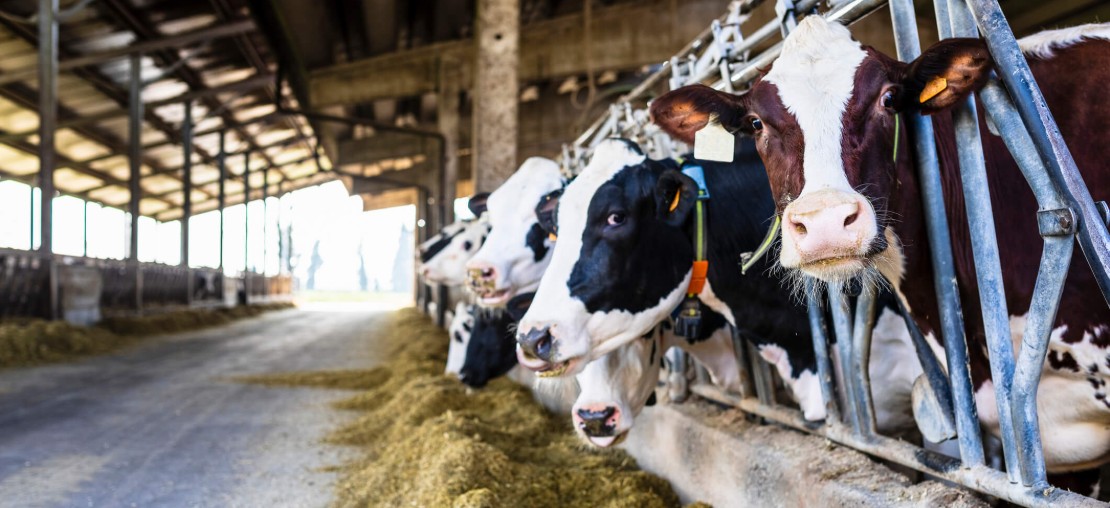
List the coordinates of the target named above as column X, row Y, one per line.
column 85, row 230
column 134, row 150
column 187, row 197
column 134, row 155
column 246, row 227
column 495, row 89
column 447, row 105
column 186, row 181
column 265, row 217
column 221, row 198
column 48, row 120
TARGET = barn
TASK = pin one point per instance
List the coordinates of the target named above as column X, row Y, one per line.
column 500, row 253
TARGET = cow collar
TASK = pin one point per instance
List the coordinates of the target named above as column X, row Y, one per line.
column 700, row 269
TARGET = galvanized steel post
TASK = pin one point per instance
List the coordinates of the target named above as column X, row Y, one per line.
column 940, row 248
column 134, row 156
column 246, row 226
column 1030, row 103
column 984, row 247
column 186, row 180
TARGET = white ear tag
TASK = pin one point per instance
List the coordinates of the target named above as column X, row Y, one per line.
column 714, row 143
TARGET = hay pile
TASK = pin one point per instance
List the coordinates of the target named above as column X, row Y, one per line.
column 428, row 441
column 28, row 342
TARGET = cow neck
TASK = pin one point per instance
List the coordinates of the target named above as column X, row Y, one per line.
column 761, row 305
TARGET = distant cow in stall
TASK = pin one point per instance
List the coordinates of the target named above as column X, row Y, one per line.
column 443, row 257
column 825, row 121
column 624, row 261
column 517, row 251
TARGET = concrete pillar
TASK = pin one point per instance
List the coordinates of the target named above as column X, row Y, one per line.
column 495, row 92
column 447, row 114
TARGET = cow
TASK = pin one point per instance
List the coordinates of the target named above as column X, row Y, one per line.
column 458, row 334
column 623, row 262
column 443, row 258
column 517, row 250
column 614, row 389
column 491, row 350
column 825, row 119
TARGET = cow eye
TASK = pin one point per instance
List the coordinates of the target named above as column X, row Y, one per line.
column 467, row 245
column 888, row 99
column 616, row 219
column 757, row 124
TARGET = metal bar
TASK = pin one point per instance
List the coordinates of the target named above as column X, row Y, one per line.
column 940, row 249
column 221, row 198
column 1038, row 326
column 842, row 324
column 85, row 229
column 48, row 116
column 989, row 481
column 984, row 247
column 743, row 364
column 678, row 385
column 204, row 34
column 820, row 333
column 134, row 150
column 1094, row 240
column 761, row 370
column 186, row 180
column 861, row 358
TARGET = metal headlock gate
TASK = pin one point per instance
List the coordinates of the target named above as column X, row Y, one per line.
column 944, row 404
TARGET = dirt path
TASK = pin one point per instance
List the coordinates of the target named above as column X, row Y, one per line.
column 160, row 425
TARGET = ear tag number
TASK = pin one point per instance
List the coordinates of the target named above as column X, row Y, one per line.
column 714, row 143
column 935, row 86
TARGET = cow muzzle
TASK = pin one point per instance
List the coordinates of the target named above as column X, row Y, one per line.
column 599, row 424
column 536, row 351
column 828, row 234
column 482, row 279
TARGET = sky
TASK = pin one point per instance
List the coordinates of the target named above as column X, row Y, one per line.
column 323, row 213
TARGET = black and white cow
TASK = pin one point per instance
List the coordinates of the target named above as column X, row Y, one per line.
column 623, row 262
column 517, row 250
column 443, row 257
column 491, row 350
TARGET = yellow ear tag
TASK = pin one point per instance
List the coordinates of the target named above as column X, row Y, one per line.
column 551, row 236
column 937, row 85
column 677, row 197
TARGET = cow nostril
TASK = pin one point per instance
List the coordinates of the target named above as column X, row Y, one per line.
column 800, row 228
column 543, row 347
column 848, row 221
column 487, row 273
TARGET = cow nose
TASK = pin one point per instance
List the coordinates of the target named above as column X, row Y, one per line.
column 828, row 225
column 481, row 275
column 598, row 421
column 537, row 343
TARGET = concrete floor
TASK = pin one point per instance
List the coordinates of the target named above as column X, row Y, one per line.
column 159, row 425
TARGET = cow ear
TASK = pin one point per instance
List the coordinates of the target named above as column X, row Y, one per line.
column 675, row 195
column 545, row 212
column 683, row 112
column 477, row 203
column 518, row 305
column 945, row 74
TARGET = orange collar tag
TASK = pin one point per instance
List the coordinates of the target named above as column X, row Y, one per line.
column 697, row 278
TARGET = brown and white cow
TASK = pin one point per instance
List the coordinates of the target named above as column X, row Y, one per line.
column 823, row 119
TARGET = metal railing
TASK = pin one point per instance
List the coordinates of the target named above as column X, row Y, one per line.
column 28, row 278
column 946, row 407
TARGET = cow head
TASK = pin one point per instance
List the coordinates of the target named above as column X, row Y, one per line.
column 620, row 266
column 517, row 250
column 443, row 258
column 824, row 120
column 614, row 389
column 459, row 334
column 491, row 351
